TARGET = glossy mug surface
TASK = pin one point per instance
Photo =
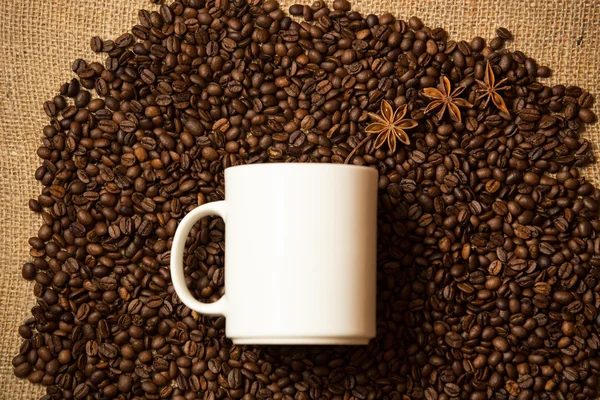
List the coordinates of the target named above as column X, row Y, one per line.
column 300, row 254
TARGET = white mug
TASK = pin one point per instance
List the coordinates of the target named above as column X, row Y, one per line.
column 300, row 255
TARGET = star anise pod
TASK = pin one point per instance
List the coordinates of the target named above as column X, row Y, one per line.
column 490, row 89
column 389, row 127
column 446, row 98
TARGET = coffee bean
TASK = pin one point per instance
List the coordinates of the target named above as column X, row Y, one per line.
column 503, row 33
column 501, row 344
column 96, row 44
column 453, row 339
column 28, row 271
column 22, row 370
column 125, row 383
column 36, row 376
column 296, row 9
column 81, row 391
column 586, row 115
column 234, row 378
column 451, row 389
column 530, row 114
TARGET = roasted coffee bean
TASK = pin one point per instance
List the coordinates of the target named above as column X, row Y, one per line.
column 96, row 44
column 81, row 391
column 503, row 34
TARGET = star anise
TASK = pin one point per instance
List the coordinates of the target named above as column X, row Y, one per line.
column 445, row 98
column 389, row 127
column 490, row 89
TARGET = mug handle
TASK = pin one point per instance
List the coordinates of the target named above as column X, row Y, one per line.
column 183, row 230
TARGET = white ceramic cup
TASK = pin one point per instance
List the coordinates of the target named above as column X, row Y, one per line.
column 300, row 256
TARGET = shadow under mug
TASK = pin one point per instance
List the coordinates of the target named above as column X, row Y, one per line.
column 300, row 255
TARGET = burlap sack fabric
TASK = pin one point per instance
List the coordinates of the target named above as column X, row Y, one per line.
column 39, row 39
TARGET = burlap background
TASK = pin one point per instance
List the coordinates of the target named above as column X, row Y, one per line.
column 40, row 38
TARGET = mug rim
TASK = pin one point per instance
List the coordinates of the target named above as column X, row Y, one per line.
column 303, row 165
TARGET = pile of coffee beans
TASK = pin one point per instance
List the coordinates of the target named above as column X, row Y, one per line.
column 489, row 237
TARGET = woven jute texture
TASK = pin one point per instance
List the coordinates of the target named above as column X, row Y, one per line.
column 39, row 39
